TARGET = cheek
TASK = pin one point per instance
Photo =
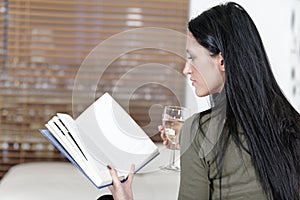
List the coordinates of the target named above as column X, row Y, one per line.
column 209, row 78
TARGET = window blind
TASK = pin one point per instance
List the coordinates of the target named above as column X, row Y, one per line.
column 45, row 43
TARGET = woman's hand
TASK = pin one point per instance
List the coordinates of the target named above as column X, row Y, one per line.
column 166, row 142
column 121, row 191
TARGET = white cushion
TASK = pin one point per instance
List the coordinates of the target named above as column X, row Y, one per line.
column 45, row 181
column 62, row 181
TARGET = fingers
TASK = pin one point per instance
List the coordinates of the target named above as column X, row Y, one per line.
column 163, row 136
column 111, row 188
column 166, row 142
column 121, row 190
column 161, row 129
column 114, row 175
column 131, row 174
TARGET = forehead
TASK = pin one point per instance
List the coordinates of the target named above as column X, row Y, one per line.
column 191, row 38
column 192, row 45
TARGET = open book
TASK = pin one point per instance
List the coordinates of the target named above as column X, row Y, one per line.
column 103, row 134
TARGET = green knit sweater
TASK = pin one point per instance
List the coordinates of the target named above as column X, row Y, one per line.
column 199, row 175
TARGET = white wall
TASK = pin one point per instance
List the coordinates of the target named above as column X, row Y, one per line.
column 273, row 20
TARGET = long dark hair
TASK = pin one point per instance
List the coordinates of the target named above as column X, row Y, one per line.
column 254, row 100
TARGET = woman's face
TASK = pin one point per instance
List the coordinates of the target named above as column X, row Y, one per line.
column 207, row 72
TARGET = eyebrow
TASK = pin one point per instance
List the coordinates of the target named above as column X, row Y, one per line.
column 188, row 52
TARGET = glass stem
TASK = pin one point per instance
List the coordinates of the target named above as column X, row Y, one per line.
column 172, row 157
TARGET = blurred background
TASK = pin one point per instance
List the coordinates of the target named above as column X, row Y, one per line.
column 43, row 44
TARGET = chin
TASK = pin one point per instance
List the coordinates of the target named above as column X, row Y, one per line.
column 200, row 93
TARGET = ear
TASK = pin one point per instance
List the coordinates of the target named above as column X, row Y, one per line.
column 221, row 62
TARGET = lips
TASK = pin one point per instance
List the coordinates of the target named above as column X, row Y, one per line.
column 193, row 82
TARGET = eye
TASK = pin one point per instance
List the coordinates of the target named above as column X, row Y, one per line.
column 189, row 57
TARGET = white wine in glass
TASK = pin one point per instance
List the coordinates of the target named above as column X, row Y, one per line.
column 172, row 129
column 173, row 119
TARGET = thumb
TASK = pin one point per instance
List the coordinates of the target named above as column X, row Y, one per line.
column 131, row 174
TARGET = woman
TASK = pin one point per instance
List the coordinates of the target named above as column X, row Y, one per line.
column 248, row 144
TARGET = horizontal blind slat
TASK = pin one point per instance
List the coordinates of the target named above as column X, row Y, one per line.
column 35, row 17
column 121, row 4
column 107, row 10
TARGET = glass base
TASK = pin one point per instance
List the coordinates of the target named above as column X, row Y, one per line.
column 170, row 168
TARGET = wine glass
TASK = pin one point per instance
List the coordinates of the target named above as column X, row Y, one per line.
column 172, row 119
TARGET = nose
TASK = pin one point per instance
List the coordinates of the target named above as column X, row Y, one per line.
column 187, row 68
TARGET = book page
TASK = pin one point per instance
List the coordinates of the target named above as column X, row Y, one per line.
column 60, row 136
column 98, row 181
column 56, row 128
column 106, row 127
column 71, row 125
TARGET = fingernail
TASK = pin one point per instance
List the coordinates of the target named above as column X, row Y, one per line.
column 108, row 167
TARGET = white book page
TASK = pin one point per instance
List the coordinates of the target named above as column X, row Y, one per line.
column 71, row 149
column 69, row 127
column 108, row 128
column 99, row 169
column 62, row 139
